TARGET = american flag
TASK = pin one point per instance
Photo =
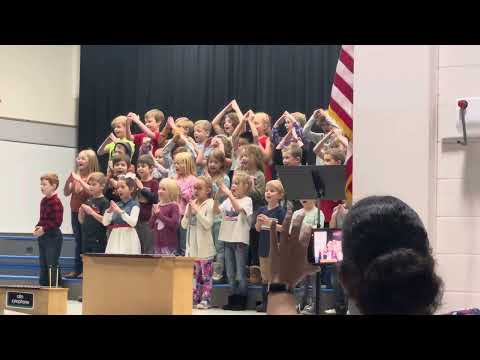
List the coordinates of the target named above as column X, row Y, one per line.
column 341, row 106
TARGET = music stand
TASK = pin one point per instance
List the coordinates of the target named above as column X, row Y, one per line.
column 325, row 182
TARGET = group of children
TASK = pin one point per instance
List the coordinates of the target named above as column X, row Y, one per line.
column 201, row 189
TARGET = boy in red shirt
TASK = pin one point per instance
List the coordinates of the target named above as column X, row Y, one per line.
column 150, row 139
column 47, row 230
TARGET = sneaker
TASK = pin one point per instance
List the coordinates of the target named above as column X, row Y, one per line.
column 330, row 312
column 216, row 277
column 204, row 304
column 71, row 275
column 255, row 276
column 262, row 307
column 308, row 310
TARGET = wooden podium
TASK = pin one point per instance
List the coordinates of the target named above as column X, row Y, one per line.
column 34, row 300
column 115, row 284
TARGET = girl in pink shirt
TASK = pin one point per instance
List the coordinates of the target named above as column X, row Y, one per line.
column 185, row 169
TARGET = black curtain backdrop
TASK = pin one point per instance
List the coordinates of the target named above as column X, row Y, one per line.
column 197, row 81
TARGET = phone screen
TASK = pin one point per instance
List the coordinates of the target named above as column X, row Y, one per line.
column 325, row 246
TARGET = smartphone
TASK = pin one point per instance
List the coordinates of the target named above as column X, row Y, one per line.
column 325, row 246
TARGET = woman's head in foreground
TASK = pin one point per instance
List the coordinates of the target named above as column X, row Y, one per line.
column 387, row 265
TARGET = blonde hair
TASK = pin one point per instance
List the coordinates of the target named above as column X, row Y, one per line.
column 91, row 156
column 243, row 178
column 98, row 177
column 253, row 151
column 204, row 124
column 181, row 119
column 336, row 154
column 300, row 117
column 294, row 150
column 277, row 185
column 265, row 118
column 157, row 114
column 52, row 178
column 187, row 159
column 119, row 119
column 208, row 182
column 172, row 188
column 185, row 122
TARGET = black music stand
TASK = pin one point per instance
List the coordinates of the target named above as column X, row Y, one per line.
column 325, row 182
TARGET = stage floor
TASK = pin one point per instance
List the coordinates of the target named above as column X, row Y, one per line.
column 75, row 308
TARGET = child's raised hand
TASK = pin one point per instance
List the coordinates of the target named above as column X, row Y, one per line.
column 133, row 117
column 156, row 209
column 280, row 120
column 170, row 122
column 139, row 183
column 235, row 105
column 113, row 138
column 215, row 142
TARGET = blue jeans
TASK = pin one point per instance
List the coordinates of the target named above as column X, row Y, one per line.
column 182, row 241
column 219, row 265
column 341, row 303
column 236, row 255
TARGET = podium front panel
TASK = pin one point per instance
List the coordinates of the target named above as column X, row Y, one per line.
column 137, row 285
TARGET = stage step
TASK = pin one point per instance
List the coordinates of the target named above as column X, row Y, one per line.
column 28, row 265
column 24, row 244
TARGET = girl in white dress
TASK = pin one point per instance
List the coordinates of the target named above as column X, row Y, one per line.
column 121, row 219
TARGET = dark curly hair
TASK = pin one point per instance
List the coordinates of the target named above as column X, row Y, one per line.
column 387, row 266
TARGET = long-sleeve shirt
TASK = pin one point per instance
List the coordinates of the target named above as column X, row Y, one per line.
column 167, row 154
column 277, row 137
column 200, row 241
column 147, row 197
column 51, row 213
column 309, row 134
column 314, row 136
column 129, row 216
column 186, row 191
column 258, row 192
column 165, row 225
